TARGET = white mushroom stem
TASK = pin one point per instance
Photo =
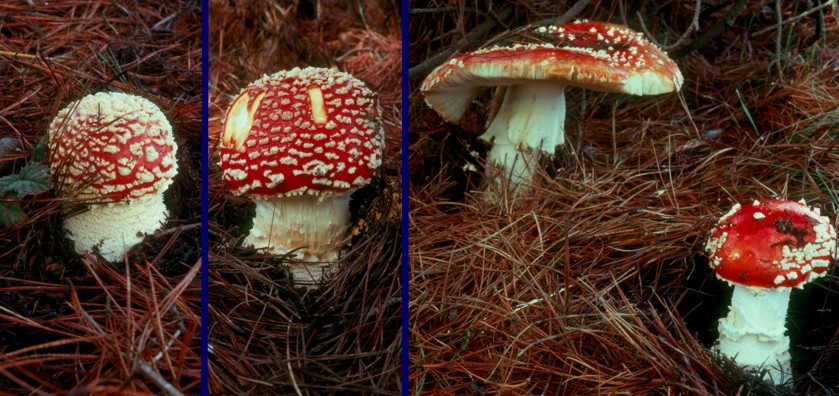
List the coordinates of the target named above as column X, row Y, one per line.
column 530, row 120
column 314, row 230
column 115, row 228
column 753, row 332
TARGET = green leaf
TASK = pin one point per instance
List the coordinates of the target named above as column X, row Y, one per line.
column 40, row 152
column 10, row 213
column 32, row 179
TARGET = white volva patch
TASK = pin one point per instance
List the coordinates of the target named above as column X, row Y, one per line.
column 711, row 247
column 237, row 125
column 730, row 213
column 318, row 107
column 115, row 228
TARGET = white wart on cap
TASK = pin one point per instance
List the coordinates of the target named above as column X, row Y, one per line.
column 117, row 152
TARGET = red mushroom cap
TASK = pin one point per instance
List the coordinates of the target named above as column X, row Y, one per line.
column 303, row 131
column 112, row 146
column 593, row 55
column 771, row 244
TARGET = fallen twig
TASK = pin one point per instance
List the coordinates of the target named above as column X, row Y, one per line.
column 694, row 26
column 474, row 36
column 714, row 31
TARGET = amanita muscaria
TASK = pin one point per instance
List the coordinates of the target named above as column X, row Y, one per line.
column 299, row 142
column 536, row 64
column 764, row 249
column 115, row 152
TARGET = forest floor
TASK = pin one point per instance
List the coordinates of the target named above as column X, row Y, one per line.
column 72, row 324
column 595, row 280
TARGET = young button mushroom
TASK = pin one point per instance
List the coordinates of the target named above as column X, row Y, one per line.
column 116, row 152
column 764, row 249
column 536, row 64
column 299, row 142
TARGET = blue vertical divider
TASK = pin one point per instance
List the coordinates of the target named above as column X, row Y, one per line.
column 405, row 200
column 205, row 56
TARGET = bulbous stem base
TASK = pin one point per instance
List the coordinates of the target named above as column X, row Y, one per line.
column 753, row 333
column 114, row 228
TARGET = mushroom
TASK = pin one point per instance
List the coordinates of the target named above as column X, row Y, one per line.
column 299, row 142
column 116, row 152
column 535, row 64
column 764, row 249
